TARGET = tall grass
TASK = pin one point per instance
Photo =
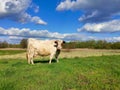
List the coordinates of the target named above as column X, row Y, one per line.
column 90, row 73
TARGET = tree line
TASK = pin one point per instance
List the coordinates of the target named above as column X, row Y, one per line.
column 93, row 44
column 22, row 44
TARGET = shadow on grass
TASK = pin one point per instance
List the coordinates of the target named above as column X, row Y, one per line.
column 44, row 61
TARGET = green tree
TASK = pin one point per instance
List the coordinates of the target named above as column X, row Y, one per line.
column 4, row 44
column 23, row 43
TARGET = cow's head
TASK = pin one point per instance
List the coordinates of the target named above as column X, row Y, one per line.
column 59, row 43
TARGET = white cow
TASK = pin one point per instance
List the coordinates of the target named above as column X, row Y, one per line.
column 43, row 48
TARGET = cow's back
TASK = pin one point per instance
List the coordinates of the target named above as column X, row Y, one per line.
column 32, row 43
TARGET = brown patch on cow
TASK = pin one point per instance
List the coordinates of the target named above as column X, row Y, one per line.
column 56, row 43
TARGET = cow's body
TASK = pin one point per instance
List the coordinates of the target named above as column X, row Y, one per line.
column 43, row 48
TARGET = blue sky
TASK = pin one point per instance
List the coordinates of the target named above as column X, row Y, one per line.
column 69, row 20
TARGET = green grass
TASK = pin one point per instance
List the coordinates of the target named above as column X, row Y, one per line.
column 90, row 73
column 11, row 52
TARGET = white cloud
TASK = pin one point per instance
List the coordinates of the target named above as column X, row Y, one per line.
column 44, row 34
column 38, row 20
column 14, row 35
column 116, row 39
column 85, row 17
column 66, row 5
column 16, row 10
column 111, row 26
column 94, row 10
column 72, row 5
column 112, row 39
column 36, row 9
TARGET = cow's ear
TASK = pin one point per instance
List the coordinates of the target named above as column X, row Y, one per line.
column 64, row 42
column 56, row 43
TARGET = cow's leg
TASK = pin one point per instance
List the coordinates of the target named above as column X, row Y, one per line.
column 51, row 57
column 28, row 60
column 32, row 60
column 57, row 59
column 57, row 54
column 28, row 57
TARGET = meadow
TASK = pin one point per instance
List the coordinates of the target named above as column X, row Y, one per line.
column 81, row 69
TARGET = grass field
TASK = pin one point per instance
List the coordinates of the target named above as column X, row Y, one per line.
column 71, row 73
column 11, row 52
